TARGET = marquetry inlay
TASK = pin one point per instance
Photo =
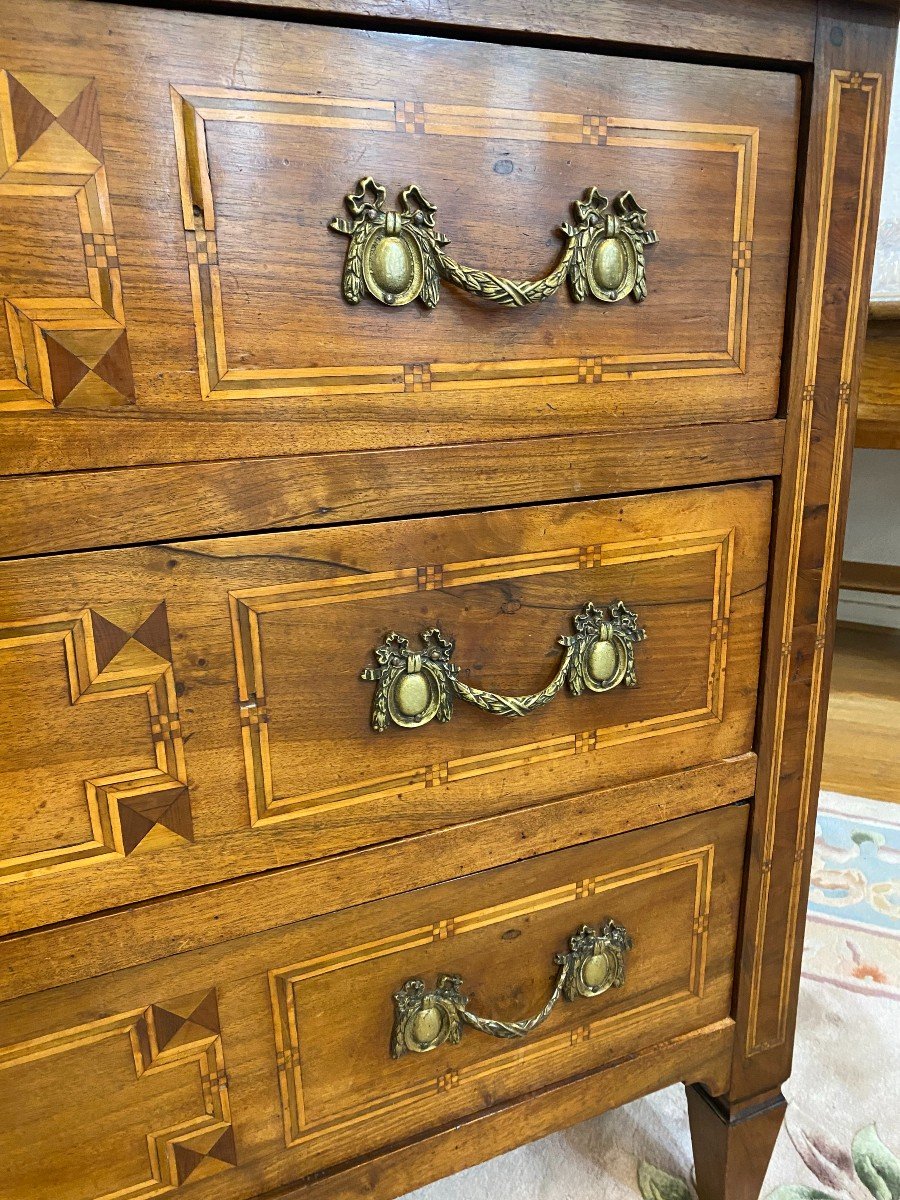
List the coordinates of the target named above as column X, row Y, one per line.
column 250, row 606
column 196, row 107
column 69, row 351
column 107, row 653
column 287, row 983
column 846, row 150
column 183, row 1033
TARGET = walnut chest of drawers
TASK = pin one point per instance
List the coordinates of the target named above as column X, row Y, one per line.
column 424, row 433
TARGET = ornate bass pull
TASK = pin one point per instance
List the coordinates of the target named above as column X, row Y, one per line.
column 415, row 686
column 397, row 255
column 423, row 1020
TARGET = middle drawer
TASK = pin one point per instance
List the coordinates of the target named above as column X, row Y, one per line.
column 192, row 712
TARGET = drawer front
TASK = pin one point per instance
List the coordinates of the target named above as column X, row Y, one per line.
column 179, row 714
column 251, row 1064
column 188, row 302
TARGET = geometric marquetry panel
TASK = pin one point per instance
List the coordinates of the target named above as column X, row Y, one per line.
column 120, row 651
column 197, row 109
column 854, row 109
column 69, row 351
column 284, row 765
column 126, row 1075
column 251, row 608
column 692, row 868
column 160, row 1039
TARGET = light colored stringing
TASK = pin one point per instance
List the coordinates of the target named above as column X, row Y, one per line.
column 194, row 107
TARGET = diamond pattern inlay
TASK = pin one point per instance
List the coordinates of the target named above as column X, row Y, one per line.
column 69, row 352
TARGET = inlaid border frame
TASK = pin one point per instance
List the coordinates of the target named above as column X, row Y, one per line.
column 249, row 606
column 174, row 1034
column 104, row 662
column 301, row 1128
column 860, row 47
column 52, row 336
column 849, row 90
column 195, row 107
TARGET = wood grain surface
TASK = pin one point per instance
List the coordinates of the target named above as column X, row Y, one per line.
column 698, row 1055
column 86, row 509
column 215, row 280
column 144, row 932
column 881, row 578
column 861, row 755
column 289, row 1030
column 878, row 419
column 179, row 714
column 732, row 1147
column 770, row 30
column 221, row 486
column 854, row 61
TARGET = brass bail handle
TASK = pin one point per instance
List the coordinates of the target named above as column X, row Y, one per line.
column 414, row 687
column 424, row 1020
column 397, row 256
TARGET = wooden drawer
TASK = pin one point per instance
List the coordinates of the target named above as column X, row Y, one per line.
column 268, row 1058
column 175, row 715
column 178, row 296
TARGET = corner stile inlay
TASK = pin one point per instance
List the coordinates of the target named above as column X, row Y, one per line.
column 111, row 652
column 767, row 1025
column 249, row 607
column 69, row 352
column 195, row 107
column 171, row 1034
column 301, row 1127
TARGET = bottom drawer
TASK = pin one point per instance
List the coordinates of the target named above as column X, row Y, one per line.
column 249, row 1064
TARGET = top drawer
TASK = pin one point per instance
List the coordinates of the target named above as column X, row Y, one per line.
column 174, row 290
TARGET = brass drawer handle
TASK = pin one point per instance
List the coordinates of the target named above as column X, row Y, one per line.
column 414, row 687
column 594, row 962
column 397, row 255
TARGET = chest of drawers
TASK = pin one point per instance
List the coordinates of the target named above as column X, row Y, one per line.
column 424, row 452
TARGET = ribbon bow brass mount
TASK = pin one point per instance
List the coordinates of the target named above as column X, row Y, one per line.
column 416, row 686
column 397, row 255
column 423, row 1020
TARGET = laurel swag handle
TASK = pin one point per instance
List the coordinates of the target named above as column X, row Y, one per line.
column 424, row 1020
column 397, row 255
column 417, row 686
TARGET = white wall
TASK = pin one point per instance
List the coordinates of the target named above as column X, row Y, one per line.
column 873, row 532
column 886, row 280
column 873, row 521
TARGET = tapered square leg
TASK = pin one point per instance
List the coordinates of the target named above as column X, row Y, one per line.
column 732, row 1145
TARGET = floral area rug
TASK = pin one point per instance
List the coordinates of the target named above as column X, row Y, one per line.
column 841, row 1136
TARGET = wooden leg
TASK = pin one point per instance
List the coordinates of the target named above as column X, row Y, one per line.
column 732, row 1145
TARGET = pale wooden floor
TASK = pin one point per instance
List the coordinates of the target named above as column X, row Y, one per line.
column 862, row 737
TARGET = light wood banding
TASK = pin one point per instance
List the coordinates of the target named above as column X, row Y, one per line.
column 300, row 1016
column 241, row 343
column 268, row 636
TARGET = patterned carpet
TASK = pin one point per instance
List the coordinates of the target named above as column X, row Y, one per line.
column 841, row 1138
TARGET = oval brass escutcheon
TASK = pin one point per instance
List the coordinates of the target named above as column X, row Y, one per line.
column 392, row 267
column 597, row 974
column 428, row 1028
column 602, row 660
column 609, row 264
column 414, row 697
column 612, row 269
column 606, row 662
column 412, row 694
